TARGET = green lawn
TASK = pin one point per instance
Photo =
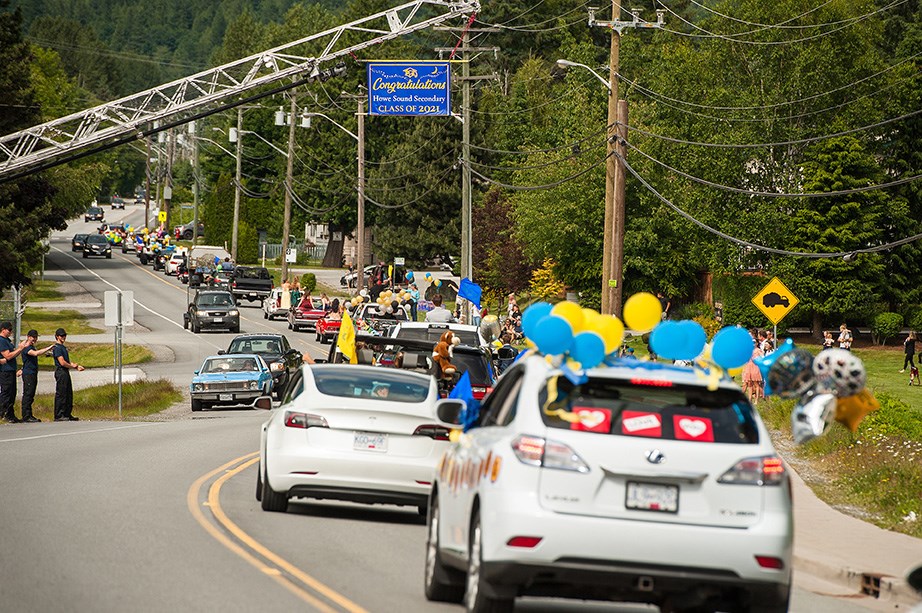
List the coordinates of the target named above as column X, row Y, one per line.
column 97, row 355
column 139, row 399
column 43, row 291
column 46, row 321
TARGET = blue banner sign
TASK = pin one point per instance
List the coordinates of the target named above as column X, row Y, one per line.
column 409, row 88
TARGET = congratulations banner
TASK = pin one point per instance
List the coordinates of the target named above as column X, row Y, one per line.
column 409, row 88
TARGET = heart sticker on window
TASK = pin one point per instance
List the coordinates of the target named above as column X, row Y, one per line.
column 693, row 428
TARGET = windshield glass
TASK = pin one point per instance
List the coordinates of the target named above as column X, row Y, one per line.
column 433, row 334
column 392, row 386
column 267, row 345
column 214, row 300
column 230, row 364
column 651, row 409
column 252, row 273
column 96, row 238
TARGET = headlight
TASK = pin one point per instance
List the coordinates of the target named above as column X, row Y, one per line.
column 254, row 385
column 233, row 312
column 196, row 387
column 276, row 366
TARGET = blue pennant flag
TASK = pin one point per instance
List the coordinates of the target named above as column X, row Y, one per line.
column 470, row 291
column 463, row 391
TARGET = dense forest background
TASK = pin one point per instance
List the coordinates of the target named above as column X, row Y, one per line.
column 731, row 105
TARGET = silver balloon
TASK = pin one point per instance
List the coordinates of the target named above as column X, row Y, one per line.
column 812, row 415
column 490, row 328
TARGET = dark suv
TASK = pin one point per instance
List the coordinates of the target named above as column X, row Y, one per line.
column 212, row 309
column 283, row 361
column 94, row 213
column 76, row 243
column 96, row 244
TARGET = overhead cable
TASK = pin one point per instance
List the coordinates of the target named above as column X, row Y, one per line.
column 529, row 188
column 593, row 135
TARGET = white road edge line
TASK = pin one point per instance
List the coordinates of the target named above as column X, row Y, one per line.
column 32, row 438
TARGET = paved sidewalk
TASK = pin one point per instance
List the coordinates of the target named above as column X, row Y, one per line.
column 835, row 553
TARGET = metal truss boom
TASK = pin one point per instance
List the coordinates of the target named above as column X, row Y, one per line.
column 139, row 115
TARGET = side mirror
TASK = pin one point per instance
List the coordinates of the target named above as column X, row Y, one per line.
column 221, row 352
column 196, row 372
column 506, row 353
column 263, row 402
column 448, row 410
column 320, row 361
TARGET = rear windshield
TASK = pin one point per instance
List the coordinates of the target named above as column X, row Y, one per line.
column 467, row 337
column 476, row 365
column 252, row 273
column 388, row 385
column 671, row 412
column 268, row 345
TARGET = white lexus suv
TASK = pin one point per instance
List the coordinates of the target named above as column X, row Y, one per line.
column 636, row 483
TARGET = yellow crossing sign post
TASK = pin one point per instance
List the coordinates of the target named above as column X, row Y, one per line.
column 775, row 301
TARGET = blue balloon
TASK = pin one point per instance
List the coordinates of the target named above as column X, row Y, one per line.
column 695, row 340
column 732, row 347
column 409, row 275
column 668, row 339
column 552, row 335
column 588, row 349
column 532, row 315
column 765, row 363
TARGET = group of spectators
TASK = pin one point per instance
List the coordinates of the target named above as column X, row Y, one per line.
column 29, row 352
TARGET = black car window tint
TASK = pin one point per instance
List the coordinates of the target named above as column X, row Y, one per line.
column 496, row 399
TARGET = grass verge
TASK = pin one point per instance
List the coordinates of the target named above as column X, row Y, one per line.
column 98, row 355
column 139, row 399
column 43, row 291
column 46, row 321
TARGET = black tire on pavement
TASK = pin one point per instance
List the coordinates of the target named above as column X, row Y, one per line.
column 236, row 329
column 475, row 598
column 195, row 327
column 196, row 404
column 265, row 315
column 272, row 500
column 109, row 256
column 259, row 482
column 84, row 255
column 441, row 584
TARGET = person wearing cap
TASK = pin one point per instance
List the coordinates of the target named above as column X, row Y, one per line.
column 8, row 352
column 63, row 388
column 30, row 375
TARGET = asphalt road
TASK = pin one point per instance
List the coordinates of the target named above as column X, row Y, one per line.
column 161, row 516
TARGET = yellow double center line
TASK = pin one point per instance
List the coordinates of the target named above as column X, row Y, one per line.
column 292, row 578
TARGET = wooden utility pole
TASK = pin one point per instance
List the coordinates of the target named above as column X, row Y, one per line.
column 360, row 223
column 289, row 170
column 147, row 185
column 239, row 186
column 168, row 189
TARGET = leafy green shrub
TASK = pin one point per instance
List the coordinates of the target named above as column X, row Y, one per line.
column 884, row 326
column 914, row 317
column 710, row 325
column 247, row 244
column 308, row 282
column 694, row 310
column 736, row 292
column 544, row 283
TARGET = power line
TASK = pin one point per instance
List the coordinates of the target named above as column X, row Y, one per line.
column 737, row 190
column 544, row 165
column 743, row 243
column 768, row 26
column 529, row 188
column 551, row 150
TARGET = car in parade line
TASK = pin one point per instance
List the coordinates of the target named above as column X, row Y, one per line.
column 221, row 279
column 96, row 244
column 171, row 266
column 118, row 203
column 230, row 380
column 212, row 309
column 326, row 329
column 611, row 486
column 94, row 213
column 77, row 242
column 431, row 331
column 350, row 278
column 355, row 433
column 376, row 316
column 272, row 306
column 277, row 352
column 305, row 314
column 251, row 283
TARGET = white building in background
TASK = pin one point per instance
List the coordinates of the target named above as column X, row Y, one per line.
column 316, row 234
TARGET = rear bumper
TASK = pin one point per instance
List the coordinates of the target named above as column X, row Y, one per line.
column 251, row 294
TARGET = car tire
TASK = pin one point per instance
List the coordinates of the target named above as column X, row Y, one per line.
column 108, row 256
column 289, row 325
column 475, row 598
column 265, row 315
column 185, row 323
column 259, row 482
column 272, row 500
column 195, row 327
column 442, row 584
column 236, row 329
column 196, row 404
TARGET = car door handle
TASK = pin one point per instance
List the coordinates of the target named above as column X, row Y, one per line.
column 659, row 475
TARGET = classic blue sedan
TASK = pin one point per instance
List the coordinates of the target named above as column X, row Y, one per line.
column 227, row 380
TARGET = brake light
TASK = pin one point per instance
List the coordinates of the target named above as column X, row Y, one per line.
column 304, row 420
column 536, row 451
column 526, row 542
column 770, row 562
column 651, row 382
column 233, row 284
column 766, row 470
column 481, row 392
column 433, row 431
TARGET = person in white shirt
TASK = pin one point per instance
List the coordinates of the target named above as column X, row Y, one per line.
column 439, row 314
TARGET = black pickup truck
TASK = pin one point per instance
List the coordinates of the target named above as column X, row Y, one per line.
column 251, row 284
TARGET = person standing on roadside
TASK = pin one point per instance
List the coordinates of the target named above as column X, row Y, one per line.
column 63, row 388
column 414, row 301
column 845, row 338
column 909, row 351
column 9, row 352
column 30, row 375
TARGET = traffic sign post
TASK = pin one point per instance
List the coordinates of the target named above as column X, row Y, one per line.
column 119, row 312
column 775, row 301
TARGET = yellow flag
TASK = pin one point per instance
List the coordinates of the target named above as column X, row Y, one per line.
column 346, row 342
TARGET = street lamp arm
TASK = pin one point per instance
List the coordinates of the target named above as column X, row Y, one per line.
column 334, row 122
column 257, row 135
column 568, row 63
column 216, row 144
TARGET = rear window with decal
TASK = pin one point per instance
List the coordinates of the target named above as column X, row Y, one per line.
column 654, row 409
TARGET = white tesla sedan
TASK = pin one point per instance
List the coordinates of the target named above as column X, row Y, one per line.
column 357, row 433
column 636, row 484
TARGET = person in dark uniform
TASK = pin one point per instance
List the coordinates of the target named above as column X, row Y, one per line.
column 8, row 351
column 30, row 375
column 63, row 388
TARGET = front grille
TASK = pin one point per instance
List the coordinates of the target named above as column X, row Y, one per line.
column 226, row 386
column 217, row 314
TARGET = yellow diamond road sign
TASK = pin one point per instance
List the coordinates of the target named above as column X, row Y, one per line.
column 775, row 300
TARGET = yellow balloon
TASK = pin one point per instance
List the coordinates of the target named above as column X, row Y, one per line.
column 642, row 312
column 571, row 313
column 610, row 329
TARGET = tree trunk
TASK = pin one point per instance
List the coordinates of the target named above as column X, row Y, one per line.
column 817, row 327
column 333, row 258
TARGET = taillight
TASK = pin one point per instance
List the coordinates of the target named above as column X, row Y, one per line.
column 437, row 433
column 766, row 470
column 233, row 284
column 526, row 542
column 651, row 382
column 304, row 420
column 536, row 451
column 770, row 562
column 481, row 392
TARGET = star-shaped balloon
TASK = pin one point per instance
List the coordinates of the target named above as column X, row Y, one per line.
column 851, row 410
column 765, row 363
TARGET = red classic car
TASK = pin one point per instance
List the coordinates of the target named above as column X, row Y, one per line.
column 326, row 329
column 305, row 314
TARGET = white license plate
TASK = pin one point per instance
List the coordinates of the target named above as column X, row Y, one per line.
column 370, row 441
column 652, row 497
column 225, row 397
column 253, row 294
